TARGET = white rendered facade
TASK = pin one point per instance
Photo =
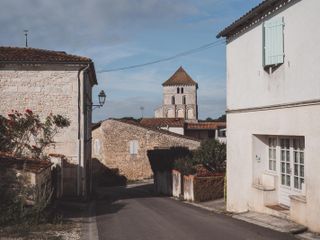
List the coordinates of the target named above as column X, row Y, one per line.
column 274, row 117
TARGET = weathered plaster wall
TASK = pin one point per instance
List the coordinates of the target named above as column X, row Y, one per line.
column 114, row 147
column 304, row 121
column 249, row 85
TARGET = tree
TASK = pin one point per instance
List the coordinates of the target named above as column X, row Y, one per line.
column 26, row 135
column 211, row 154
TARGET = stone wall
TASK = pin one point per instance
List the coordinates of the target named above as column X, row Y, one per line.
column 44, row 91
column 111, row 146
column 50, row 88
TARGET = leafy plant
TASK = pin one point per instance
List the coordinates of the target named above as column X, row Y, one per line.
column 16, row 194
column 185, row 166
column 211, row 154
column 24, row 134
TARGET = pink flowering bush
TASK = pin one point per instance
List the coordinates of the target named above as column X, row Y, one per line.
column 25, row 134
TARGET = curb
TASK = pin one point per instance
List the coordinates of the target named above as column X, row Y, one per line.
column 90, row 228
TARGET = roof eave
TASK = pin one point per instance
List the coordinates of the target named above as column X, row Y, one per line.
column 94, row 76
column 248, row 17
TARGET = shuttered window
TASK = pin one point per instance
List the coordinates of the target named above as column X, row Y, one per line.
column 134, row 145
column 273, row 42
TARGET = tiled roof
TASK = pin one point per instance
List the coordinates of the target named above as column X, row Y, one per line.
column 157, row 130
column 162, row 122
column 206, row 125
column 43, row 56
column 264, row 8
column 180, row 77
column 27, row 164
column 34, row 55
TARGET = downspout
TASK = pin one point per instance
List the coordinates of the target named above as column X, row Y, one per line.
column 80, row 190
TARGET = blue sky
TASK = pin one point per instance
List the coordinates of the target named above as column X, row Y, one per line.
column 118, row 33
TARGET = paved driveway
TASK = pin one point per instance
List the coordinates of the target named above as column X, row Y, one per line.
column 135, row 213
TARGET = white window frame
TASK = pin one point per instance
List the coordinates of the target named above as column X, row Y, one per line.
column 298, row 163
column 97, row 146
column 290, row 166
column 133, row 147
column 272, row 154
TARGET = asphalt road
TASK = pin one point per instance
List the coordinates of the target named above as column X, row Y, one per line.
column 136, row 214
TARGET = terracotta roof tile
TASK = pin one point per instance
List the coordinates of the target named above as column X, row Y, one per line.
column 15, row 54
column 157, row 130
column 180, row 77
column 162, row 122
column 206, row 125
column 27, row 164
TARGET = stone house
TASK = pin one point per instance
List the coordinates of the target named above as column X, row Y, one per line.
column 207, row 130
column 175, row 125
column 273, row 111
column 59, row 83
column 203, row 130
column 179, row 97
column 124, row 145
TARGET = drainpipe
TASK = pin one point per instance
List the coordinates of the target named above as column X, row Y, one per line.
column 80, row 185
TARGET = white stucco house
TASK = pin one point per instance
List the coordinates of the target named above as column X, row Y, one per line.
column 273, row 110
column 54, row 82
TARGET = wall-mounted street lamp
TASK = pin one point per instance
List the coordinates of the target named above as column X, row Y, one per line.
column 102, row 99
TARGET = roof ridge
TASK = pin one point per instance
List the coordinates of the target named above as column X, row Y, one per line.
column 156, row 130
column 13, row 52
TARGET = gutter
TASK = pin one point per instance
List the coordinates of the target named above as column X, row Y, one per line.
column 80, row 190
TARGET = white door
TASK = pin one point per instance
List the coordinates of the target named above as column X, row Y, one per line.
column 291, row 168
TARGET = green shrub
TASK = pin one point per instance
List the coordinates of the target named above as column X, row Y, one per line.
column 211, row 154
column 186, row 165
column 16, row 194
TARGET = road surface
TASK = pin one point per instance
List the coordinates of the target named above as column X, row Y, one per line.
column 135, row 213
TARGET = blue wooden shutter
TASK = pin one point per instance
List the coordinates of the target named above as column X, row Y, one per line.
column 273, row 42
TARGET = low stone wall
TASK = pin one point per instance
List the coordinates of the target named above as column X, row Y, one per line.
column 176, row 184
column 201, row 189
column 188, row 188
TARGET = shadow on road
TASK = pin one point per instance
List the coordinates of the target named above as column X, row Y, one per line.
column 109, row 200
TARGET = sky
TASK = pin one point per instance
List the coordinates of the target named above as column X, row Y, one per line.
column 120, row 33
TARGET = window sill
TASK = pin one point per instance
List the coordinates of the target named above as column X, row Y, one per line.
column 298, row 198
column 272, row 173
column 263, row 188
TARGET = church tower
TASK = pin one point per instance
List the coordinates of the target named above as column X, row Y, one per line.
column 179, row 97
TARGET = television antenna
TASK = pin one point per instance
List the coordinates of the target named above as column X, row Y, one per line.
column 26, row 36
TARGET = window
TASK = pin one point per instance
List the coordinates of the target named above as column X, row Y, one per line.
column 183, row 99
column 298, row 167
column 290, row 152
column 285, row 168
column 178, row 90
column 222, row 133
column 272, row 153
column 182, row 90
column 273, row 44
column 133, row 147
column 173, row 100
column 97, row 146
